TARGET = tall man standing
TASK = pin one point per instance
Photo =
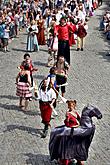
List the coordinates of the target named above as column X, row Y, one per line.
column 62, row 30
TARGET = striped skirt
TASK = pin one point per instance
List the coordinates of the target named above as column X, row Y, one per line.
column 23, row 90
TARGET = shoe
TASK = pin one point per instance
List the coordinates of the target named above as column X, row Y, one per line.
column 108, row 54
column 4, row 51
column 7, row 50
column 30, row 99
column 60, row 102
column 52, row 117
column 77, row 49
column 49, row 65
column 81, row 49
column 44, row 134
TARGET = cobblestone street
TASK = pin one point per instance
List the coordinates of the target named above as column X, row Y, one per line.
column 89, row 82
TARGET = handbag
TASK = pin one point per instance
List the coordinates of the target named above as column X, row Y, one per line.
column 55, row 44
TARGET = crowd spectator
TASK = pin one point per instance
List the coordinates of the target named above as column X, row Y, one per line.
column 105, row 24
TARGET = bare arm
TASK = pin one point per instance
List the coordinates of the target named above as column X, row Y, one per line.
column 29, row 78
column 17, row 78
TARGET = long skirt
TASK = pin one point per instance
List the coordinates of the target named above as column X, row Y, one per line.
column 41, row 37
column 46, row 112
column 71, row 39
column 32, row 43
column 64, row 49
column 23, row 90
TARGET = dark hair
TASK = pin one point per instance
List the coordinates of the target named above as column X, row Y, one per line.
column 62, row 18
column 26, row 67
column 71, row 101
column 52, row 70
column 60, row 56
column 25, row 55
column 54, row 17
column 30, row 29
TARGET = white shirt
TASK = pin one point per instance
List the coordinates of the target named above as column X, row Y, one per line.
column 46, row 96
column 16, row 18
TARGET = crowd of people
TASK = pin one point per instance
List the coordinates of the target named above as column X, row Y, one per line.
column 105, row 24
column 40, row 17
column 58, row 24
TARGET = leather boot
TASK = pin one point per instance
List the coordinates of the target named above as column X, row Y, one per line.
column 45, row 131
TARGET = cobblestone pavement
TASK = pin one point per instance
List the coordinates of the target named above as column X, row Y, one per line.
column 89, row 82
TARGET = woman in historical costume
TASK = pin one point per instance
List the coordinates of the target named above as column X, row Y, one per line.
column 41, row 34
column 72, row 120
column 32, row 42
column 62, row 30
column 71, row 33
column 52, row 43
column 23, row 82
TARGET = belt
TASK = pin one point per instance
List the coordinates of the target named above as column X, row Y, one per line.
column 44, row 102
column 63, row 41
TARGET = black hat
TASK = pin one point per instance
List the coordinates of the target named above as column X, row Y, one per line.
column 63, row 17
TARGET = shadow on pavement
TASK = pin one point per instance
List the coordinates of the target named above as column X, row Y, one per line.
column 43, row 50
column 23, row 43
column 6, row 106
column 9, row 107
column 38, row 159
column 31, row 113
column 30, row 130
column 104, row 55
column 41, row 77
column 19, row 50
column 39, row 63
column 9, row 97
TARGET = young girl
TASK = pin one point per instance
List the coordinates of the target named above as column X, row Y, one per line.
column 23, row 82
column 62, row 68
column 27, row 60
column 72, row 120
column 72, row 117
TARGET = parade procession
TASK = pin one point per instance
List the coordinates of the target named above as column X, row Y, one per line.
column 54, row 100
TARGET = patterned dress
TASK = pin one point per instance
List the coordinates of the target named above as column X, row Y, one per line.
column 23, row 87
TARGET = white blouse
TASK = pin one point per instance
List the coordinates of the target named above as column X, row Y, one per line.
column 46, row 96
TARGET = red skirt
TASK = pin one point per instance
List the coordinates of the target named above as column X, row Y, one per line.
column 46, row 112
column 64, row 162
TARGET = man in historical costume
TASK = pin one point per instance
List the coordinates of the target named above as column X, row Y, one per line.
column 81, row 34
column 62, row 30
column 46, row 98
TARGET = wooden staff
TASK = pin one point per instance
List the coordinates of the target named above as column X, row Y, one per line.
column 62, row 98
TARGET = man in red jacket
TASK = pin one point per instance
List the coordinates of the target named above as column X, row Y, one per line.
column 62, row 30
column 81, row 34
